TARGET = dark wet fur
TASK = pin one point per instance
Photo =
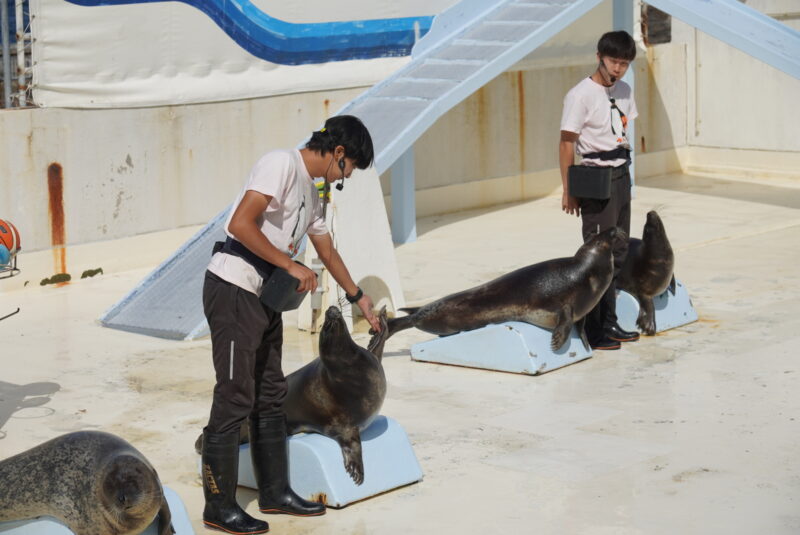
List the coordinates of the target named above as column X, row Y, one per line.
column 61, row 478
column 555, row 294
column 648, row 270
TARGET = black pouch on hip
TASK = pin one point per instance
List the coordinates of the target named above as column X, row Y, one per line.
column 279, row 291
column 589, row 182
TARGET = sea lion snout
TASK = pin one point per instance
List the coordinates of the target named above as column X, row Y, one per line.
column 333, row 313
column 333, row 319
column 131, row 487
column 653, row 224
column 610, row 236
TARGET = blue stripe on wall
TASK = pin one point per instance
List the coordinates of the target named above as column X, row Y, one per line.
column 286, row 43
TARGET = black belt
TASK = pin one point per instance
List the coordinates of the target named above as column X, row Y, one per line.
column 615, row 154
column 237, row 248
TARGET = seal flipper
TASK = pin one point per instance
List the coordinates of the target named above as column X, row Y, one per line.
column 672, row 285
column 580, row 326
column 349, row 440
column 562, row 328
column 379, row 339
column 647, row 316
column 165, row 517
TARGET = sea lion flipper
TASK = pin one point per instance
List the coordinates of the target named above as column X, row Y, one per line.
column 165, row 518
column 672, row 285
column 580, row 326
column 562, row 328
column 647, row 316
column 379, row 339
column 350, row 441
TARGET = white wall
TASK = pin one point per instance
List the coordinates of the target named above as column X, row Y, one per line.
column 133, row 171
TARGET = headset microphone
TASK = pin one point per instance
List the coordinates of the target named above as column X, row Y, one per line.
column 611, row 78
column 340, row 185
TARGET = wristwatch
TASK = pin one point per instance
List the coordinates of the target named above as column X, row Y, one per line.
column 354, row 298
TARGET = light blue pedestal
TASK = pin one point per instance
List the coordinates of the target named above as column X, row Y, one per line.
column 51, row 526
column 510, row 347
column 316, row 465
column 671, row 310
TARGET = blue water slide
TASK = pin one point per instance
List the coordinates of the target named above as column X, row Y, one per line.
column 288, row 43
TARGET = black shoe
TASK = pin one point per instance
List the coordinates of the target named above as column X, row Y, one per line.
column 615, row 332
column 605, row 344
column 220, row 477
column 271, row 468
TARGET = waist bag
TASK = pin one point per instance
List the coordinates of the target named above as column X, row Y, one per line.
column 593, row 182
column 279, row 289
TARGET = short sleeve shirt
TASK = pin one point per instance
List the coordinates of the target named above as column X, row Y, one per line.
column 294, row 211
column 588, row 113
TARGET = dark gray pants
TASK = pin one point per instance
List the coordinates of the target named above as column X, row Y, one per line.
column 246, row 342
column 614, row 211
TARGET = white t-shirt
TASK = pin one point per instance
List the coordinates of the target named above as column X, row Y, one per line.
column 294, row 210
column 588, row 112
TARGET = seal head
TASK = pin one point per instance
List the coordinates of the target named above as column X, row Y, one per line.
column 93, row 482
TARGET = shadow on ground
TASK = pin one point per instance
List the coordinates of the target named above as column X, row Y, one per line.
column 14, row 398
column 728, row 189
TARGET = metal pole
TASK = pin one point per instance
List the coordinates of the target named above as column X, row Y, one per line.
column 404, row 208
column 20, row 54
column 623, row 19
column 6, row 54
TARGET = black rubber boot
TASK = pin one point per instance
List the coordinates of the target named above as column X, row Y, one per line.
column 271, row 467
column 220, row 477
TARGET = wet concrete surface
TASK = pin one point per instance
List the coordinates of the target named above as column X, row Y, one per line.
column 695, row 430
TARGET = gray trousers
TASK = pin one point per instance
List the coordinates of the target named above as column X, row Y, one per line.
column 246, row 342
column 614, row 211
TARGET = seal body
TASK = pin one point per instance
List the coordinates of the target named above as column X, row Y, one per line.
column 648, row 270
column 341, row 392
column 554, row 294
column 93, row 482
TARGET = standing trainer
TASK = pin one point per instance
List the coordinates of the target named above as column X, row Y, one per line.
column 277, row 207
column 594, row 121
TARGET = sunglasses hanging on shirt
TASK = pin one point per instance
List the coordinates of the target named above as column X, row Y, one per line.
column 622, row 117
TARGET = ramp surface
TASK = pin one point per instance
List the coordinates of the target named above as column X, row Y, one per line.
column 742, row 27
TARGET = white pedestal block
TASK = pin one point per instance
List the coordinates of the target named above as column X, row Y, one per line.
column 671, row 310
column 510, row 347
column 51, row 526
column 316, row 465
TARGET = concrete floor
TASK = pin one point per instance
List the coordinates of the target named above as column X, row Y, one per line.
column 695, row 430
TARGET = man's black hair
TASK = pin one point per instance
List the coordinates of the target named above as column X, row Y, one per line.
column 349, row 132
column 618, row 45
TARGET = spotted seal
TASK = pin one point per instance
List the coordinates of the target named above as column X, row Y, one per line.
column 647, row 271
column 554, row 294
column 93, row 482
